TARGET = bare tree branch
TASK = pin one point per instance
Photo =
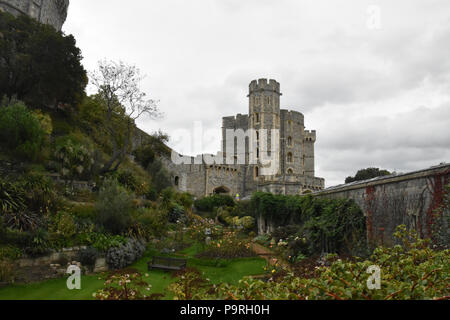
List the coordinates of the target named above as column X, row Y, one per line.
column 119, row 85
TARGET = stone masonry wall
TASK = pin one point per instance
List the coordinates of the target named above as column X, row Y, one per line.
column 52, row 12
column 387, row 202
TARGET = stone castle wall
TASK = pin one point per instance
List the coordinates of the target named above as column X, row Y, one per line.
column 52, row 12
column 387, row 202
column 295, row 171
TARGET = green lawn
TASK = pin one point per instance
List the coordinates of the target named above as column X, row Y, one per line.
column 229, row 271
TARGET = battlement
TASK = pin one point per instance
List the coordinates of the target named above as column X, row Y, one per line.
column 310, row 135
column 292, row 115
column 239, row 121
column 264, row 85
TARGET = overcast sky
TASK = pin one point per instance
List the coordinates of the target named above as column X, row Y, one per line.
column 378, row 94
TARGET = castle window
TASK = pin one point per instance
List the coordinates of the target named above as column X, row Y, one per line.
column 257, row 153
column 257, row 135
column 290, row 157
column 256, row 172
column 290, row 172
column 289, row 141
column 257, row 117
column 290, row 125
column 177, row 181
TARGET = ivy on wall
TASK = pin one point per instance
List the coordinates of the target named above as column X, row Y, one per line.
column 331, row 225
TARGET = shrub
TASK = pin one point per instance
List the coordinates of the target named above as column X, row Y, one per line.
column 74, row 159
column 411, row 271
column 88, row 257
column 160, row 176
column 330, row 225
column 20, row 131
column 86, row 213
column 284, row 232
column 228, row 247
column 176, row 213
column 128, row 180
column 153, row 221
column 7, row 271
column 126, row 254
column 12, row 197
column 64, row 225
column 114, row 207
column 248, row 223
column 185, row 199
column 103, row 242
column 40, row 195
column 208, row 204
column 10, row 252
column 189, row 286
column 242, row 209
column 126, row 284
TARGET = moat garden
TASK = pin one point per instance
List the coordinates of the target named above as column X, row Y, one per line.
column 318, row 251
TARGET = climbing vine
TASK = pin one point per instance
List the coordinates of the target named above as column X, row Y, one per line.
column 330, row 225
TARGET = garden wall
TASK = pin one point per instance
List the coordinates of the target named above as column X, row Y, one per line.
column 387, row 202
column 52, row 266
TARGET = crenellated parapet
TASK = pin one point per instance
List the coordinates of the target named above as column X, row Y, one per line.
column 262, row 85
column 310, row 136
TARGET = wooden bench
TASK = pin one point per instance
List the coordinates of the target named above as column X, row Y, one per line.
column 172, row 264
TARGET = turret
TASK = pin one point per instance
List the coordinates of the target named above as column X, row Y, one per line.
column 264, row 116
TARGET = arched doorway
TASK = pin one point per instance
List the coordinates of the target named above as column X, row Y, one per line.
column 221, row 190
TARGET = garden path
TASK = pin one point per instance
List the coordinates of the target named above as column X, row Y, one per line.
column 268, row 255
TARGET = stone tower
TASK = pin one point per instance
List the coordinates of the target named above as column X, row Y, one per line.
column 52, row 12
column 264, row 116
column 248, row 153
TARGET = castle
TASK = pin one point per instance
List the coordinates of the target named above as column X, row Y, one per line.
column 267, row 132
column 52, row 12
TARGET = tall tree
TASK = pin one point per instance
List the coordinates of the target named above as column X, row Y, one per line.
column 119, row 86
column 366, row 174
column 38, row 65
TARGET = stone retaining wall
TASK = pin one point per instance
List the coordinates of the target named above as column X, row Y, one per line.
column 53, row 265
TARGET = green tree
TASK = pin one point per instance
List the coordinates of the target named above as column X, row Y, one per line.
column 366, row 174
column 118, row 85
column 39, row 65
column 74, row 159
column 114, row 207
column 21, row 131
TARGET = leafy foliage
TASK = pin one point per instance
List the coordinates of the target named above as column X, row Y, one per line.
column 229, row 246
column 160, row 176
column 126, row 284
column 25, row 201
column 330, row 225
column 411, row 271
column 366, row 174
column 207, row 204
column 189, row 286
column 114, row 207
column 88, row 257
column 74, row 159
column 150, row 222
column 39, row 65
column 441, row 225
column 20, row 131
column 124, row 255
